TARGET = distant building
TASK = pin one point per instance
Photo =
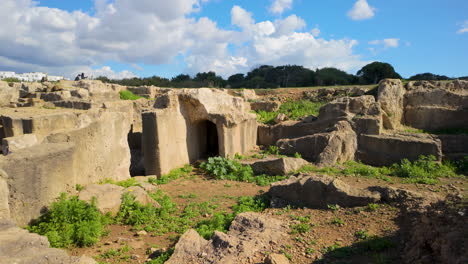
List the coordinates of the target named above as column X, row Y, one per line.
column 30, row 76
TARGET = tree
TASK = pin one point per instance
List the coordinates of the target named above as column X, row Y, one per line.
column 376, row 71
column 333, row 76
column 236, row 80
column 428, row 77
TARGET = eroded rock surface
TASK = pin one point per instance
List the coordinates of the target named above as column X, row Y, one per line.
column 250, row 235
column 320, row 191
column 19, row 246
column 277, row 166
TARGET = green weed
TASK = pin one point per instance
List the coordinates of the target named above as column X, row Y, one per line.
column 300, row 228
column 128, row 95
column 295, row 110
column 172, row 175
column 71, row 222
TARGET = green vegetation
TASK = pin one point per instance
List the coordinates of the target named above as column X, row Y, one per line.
column 126, row 183
column 71, row 222
column 11, row 80
column 425, row 170
column 295, row 110
column 221, row 221
column 362, row 234
column 337, row 221
column 172, row 175
column 128, row 95
column 300, row 228
column 226, row 169
column 120, row 254
column 367, row 246
column 161, row 259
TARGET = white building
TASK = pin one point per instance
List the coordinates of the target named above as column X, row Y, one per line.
column 5, row 74
column 30, row 76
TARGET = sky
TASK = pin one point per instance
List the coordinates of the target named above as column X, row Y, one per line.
column 140, row 38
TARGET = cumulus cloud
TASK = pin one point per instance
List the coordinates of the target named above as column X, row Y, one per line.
column 107, row 72
column 361, row 11
column 279, row 6
column 387, row 43
column 463, row 27
column 154, row 32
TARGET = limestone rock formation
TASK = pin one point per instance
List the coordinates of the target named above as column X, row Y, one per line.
column 141, row 196
column 386, row 149
column 19, row 246
column 7, row 94
column 108, row 197
column 249, row 235
column 337, row 145
column 320, row 191
column 391, row 97
column 276, row 166
column 190, row 124
column 276, row 259
column 268, row 106
column 436, row 105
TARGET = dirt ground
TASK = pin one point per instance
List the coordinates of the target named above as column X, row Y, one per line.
column 325, row 230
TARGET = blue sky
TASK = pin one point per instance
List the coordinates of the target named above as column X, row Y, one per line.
column 124, row 38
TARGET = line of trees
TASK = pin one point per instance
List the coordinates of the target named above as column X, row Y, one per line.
column 267, row 76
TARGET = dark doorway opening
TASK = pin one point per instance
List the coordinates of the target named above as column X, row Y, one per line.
column 137, row 167
column 212, row 145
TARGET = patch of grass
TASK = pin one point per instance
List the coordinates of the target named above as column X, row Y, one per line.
column 372, row 207
column 226, row 169
column 297, row 155
column 425, row 170
column 172, row 175
column 221, row 221
column 126, row 183
column 300, row 228
column 116, row 253
column 128, row 95
column 333, row 207
column 338, row 222
column 79, row 187
column 362, row 234
column 272, row 150
column 302, row 219
column 11, row 80
column 188, row 196
column 295, row 110
column 162, row 258
column 71, row 222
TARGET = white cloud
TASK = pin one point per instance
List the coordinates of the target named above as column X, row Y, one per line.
column 315, row 31
column 463, row 28
column 361, row 10
column 107, row 72
column 153, row 32
column 279, row 6
column 387, row 43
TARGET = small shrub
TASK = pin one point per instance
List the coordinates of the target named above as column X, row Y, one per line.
column 173, row 175
column 225, row 169
column 338, row 222
column 128, row 95
column 297, row 155
column 162, row 258
column 425, row 170
column 362, row 234
column 372, row 207
column 272, row 150
column 79, row 187
column 300, row 228
column 70, row 221
column 333, row 207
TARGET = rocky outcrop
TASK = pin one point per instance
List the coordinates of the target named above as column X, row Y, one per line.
column 339, row 144
column 250, row 235
column 438, row 234
column 320, row 191
column 391, row 98
column 386, row 149
column 436, row 105
column 19, row 246
column 109, row 196
column 7, row 94
column 190, row 124
column 276, row 166
column 276, row 259
column 268, row 106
